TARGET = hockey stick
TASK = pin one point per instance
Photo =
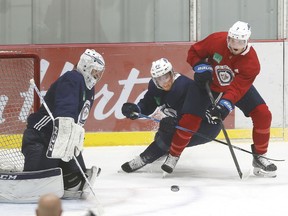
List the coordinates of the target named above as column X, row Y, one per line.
column 206, row 137
column 224, row 132
column 32, row 82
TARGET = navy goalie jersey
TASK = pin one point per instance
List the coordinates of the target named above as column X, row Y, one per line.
column 68, row 96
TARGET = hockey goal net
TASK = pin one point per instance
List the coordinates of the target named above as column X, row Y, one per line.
column 17, row 101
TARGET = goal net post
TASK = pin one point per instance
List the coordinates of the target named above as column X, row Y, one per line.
column 17, row 101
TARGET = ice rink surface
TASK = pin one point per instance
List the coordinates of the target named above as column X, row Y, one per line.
column 207, row 177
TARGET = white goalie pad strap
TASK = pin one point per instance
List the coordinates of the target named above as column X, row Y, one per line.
column 27, row 187
column 66, row 140
column 79, row 142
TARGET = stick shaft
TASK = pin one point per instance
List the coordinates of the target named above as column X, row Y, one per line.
column 42, row 99
column 205, row 137
column 225, row 133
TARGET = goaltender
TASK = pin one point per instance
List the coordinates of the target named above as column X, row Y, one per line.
column 69, row 99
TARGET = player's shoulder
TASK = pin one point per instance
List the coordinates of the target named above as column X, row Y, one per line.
column 251, row 50
column 180, row 78
column 218, row 35
column 72, row 76
column 152, row 88
column 250, row 53
column 248, row 62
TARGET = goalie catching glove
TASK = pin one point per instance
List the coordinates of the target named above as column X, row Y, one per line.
column 130, row 110
column 66, row 140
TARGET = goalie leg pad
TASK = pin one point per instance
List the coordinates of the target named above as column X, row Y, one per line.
column 66, row 140
column 27, row 187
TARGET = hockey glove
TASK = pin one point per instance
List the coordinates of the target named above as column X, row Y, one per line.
column 130, row 109
column 220, row 111
column 203, row 73
column 209, row 118
column 167, row 125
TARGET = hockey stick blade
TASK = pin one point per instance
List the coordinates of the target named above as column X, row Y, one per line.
column 140, row 115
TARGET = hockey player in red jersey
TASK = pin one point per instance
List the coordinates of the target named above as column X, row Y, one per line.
column 230, row 64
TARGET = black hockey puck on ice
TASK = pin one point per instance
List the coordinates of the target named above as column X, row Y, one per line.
column 175, row 188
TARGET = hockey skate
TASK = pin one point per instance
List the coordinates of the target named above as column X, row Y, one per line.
column 91, row 176
column 170, row 163
column 262, row 166
column 133, row 165
column 82, row 191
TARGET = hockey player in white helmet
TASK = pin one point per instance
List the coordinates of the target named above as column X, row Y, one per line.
column 238, row 36
column 228, row 62
column 92, row 66
column 168, row 91
column 162, row 74
column 52, row 144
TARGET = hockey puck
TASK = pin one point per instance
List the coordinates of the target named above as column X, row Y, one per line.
column 175, row 188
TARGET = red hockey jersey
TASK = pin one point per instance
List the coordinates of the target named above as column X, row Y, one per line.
column 233, row 74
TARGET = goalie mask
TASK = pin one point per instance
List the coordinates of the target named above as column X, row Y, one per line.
column 162, row 74
column 92, row 66
column 238, row 36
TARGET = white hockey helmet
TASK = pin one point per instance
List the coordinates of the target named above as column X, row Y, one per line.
column 240, row 31
column 90, row 60
column 159, row 68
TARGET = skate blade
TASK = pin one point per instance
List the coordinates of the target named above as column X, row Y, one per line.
column 98, row 171
column 164, row 174
column 262, row 173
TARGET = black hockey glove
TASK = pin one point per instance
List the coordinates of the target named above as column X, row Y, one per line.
column 220, row 111
column 168, row 124
column 129, row 110
column 203, row 73
column 209, row 118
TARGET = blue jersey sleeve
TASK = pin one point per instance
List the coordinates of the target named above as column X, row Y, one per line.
column 149, row 102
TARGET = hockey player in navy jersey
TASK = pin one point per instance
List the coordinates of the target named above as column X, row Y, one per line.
column 167, row 90
column 69, row 99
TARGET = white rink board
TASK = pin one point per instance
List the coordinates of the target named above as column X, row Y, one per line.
column 269, row 83
column 286, row 87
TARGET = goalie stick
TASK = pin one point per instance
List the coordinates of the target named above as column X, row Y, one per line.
column 224, row 132
column 140, row 115
column 32, row 82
